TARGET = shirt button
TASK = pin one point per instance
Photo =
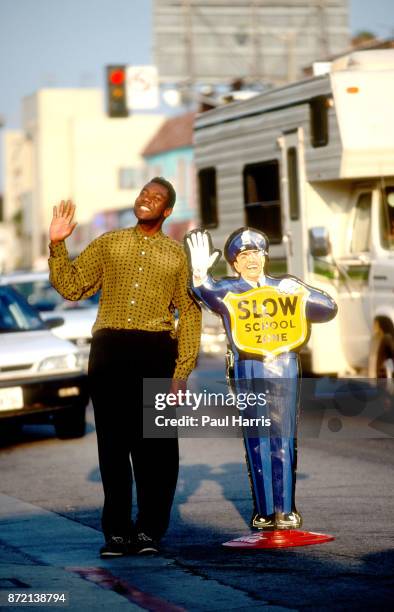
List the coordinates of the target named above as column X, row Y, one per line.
column 142, row 252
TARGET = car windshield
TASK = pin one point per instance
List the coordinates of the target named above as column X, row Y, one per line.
column 41, row 295
column 16, row 314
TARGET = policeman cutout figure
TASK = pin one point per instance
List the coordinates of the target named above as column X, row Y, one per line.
column 267, row 320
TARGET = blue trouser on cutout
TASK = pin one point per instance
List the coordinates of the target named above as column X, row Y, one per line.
column 271, row 451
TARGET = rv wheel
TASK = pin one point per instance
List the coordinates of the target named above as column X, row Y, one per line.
column 381, row 356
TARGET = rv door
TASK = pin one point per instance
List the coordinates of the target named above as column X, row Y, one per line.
column 292, row 178
column 382, row 265
column 354, row 295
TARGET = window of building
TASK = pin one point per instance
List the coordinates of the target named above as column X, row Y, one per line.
column 318, row 111
column 292, row 170
column 129, row 178
column 262, row 198
column 361, row 237
column 208, row 197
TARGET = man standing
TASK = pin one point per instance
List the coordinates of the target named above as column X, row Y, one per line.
column 142, row 275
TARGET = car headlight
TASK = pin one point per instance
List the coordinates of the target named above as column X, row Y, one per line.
column 71, row 361
column 83, row 360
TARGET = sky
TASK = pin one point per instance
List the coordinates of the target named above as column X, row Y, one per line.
column 67, row 43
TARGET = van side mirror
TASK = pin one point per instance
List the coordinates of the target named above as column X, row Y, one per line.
column 319, row 241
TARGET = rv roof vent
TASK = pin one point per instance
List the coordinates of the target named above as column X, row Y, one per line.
column 377, row 59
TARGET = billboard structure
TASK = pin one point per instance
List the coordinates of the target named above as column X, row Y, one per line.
column 268, row 41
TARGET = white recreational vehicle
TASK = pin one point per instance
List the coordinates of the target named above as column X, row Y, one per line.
column 312, row 165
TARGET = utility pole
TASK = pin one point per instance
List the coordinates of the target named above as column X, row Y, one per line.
column 189, row 51
column 291, row 56
column 322, row 25
column 255, row 36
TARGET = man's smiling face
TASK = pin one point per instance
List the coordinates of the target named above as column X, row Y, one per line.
column 151, row 203
column 250, row 264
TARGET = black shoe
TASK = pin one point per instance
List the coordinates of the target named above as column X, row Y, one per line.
column 115, row 546
column 145, row 545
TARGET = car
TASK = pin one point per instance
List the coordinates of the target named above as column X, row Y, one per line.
column 42, row 377
column 79, row 316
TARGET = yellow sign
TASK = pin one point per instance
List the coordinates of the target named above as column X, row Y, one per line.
column 265, row 321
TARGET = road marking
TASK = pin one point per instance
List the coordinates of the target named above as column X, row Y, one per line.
column 108, row 581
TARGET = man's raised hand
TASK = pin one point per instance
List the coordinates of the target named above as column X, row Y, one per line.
column 62, row 224
column 201, row 257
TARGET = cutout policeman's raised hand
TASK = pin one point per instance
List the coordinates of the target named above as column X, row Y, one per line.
column 202, row 257
column 263, row 315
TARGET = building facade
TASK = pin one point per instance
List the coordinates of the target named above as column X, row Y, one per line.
column 268, row 41
column 69, row 148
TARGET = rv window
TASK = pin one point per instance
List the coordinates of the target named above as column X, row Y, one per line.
column 292, row 170
column 262, row 198
column 208, row 197
column 387, row 219
column 361, row 238
column 319, row 121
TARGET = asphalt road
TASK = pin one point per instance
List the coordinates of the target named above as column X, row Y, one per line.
column 50, row 506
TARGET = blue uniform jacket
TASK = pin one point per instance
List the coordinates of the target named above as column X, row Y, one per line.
column 320, row 306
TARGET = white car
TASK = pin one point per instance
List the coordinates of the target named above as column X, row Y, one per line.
column 79, row 316
column 42, row 377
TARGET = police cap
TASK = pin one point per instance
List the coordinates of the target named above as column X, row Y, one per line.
column 245, row 239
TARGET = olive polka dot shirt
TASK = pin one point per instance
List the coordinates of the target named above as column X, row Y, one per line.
column 143, row 279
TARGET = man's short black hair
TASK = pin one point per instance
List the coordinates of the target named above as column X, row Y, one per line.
column 171, row 191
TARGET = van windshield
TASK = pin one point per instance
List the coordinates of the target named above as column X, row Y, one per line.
column 387, row 219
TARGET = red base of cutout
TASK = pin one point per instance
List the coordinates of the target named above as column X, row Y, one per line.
column 280, row 538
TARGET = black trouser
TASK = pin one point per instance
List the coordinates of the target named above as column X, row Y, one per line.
column 119, row 360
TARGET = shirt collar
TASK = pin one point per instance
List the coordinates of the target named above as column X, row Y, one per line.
column 254, row 284
column 140, row 234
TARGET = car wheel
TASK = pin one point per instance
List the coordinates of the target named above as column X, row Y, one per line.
column 381, row 356
column 70, row 423
column 10, row 429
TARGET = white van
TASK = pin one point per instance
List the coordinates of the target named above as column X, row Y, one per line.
column 312, row 165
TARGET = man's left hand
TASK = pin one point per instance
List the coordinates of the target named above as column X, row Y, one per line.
column 177, row 386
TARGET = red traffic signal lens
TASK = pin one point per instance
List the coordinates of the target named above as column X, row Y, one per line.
column 117, row 77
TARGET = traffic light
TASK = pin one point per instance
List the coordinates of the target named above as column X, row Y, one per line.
column 116, row 91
